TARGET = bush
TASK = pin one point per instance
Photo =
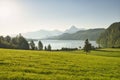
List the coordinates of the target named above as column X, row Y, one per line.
column 69, row 49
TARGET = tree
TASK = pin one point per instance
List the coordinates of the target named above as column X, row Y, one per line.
column 49, row 47
column 45, row 48
column 87, row 46
column 8, row 38
column 1, row 42
column 22, row 43
column 79, row 47
column 1, row 38
column 32, row 45
column 14, row 40
column 40, row 45
column 18, row 42
column 4, row 43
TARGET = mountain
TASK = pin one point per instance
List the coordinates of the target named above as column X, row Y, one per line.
column 72, row 29
column 111, row 36
column 42, row 34
column 91, row 34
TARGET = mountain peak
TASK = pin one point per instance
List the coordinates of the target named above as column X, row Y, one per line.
column 72, row 29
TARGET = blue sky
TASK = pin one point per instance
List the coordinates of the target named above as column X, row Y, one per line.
column 32, row 15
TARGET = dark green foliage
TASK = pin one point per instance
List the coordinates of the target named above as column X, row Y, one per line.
column 111, row 36
column 1, row 38
column 23, row 44
column 32, row 45
column 18, row 42
column 8, row 38
column 87, row 46
column 45, row 48
column 40, row 45
column 69, row 49
column 49, row 47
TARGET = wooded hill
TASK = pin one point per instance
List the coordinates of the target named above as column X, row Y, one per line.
column 111, row 36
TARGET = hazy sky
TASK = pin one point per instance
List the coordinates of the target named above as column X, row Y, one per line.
column 18, row 16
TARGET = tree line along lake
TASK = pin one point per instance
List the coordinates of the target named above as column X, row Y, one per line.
column 58, row 44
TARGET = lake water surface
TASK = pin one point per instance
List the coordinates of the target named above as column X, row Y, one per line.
column 58, row 44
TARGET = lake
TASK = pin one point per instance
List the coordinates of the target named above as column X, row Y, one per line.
column 58, row 44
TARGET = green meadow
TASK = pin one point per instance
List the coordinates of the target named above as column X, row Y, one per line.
column 103, row 64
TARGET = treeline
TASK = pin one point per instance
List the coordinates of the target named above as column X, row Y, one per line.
column 18, row 42
column 68, row 49
column 111, row 36
column 32, row 46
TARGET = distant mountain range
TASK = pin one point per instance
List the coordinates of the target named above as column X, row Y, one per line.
column 42, row 34
column 91, row 34
column 73, row 33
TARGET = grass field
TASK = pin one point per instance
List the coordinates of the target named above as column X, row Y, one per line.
column 102, row 64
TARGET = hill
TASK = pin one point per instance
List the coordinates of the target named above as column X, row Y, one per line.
column 59, row 65
column 91, row 34
column 111, row 36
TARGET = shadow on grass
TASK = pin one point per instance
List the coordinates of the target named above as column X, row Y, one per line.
column 106, row 51
column 3, row 63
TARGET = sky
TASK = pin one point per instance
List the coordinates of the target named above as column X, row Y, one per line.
column 20, row 16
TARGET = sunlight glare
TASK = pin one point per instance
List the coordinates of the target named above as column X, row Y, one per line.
column 7, row 8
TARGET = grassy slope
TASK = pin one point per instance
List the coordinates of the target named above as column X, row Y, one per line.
column 74, row 65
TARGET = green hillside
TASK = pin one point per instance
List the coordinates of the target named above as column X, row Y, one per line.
column 102, row 64
column 111, row 36
column 91, row 34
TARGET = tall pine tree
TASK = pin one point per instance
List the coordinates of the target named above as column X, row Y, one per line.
column 40, row 45
column 87, row 46
column 32, row 45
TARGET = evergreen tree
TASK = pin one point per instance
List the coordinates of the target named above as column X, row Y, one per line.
column 18, row 42
column 4, row 43
column 8, row 38
column 22, row 43
column 1, row 38
column 87, row 46
column 32, row 45
column 40, row 45
column 49, row 47
column 45, row 48
column 14, row 41
column 1, row 41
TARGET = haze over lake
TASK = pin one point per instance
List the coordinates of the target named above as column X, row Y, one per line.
column 58, row 44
